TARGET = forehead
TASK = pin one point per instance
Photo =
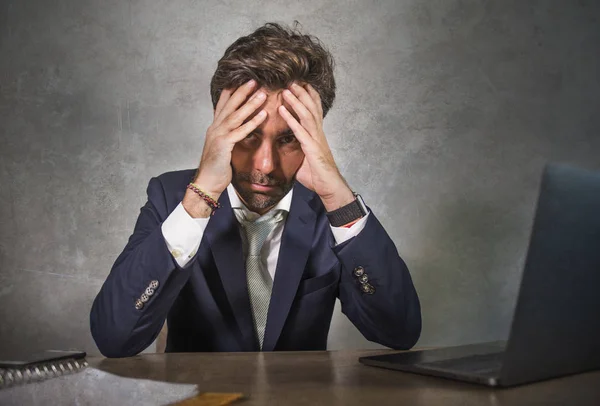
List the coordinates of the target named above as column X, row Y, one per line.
column 274, row 121
column 275, row 99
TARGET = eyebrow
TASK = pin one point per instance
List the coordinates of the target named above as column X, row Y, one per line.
column 284, row 132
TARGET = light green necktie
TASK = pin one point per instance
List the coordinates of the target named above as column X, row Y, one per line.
column 259, row 280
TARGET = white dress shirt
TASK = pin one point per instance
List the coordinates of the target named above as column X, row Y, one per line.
column 183, row 234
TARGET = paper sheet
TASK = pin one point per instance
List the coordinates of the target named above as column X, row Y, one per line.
column 95, row 387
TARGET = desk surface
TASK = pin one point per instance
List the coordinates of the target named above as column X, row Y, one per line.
column 337, row 378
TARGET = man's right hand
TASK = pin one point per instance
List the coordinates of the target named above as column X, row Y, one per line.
column 228, row 127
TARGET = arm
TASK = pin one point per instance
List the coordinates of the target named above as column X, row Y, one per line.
column 118, row 327
column 391, row 314
column 156, row 256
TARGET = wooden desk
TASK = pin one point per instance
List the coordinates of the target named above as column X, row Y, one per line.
column 337, row 378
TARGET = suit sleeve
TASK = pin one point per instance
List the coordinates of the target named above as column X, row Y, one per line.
column 376, row 290
column 144, row 282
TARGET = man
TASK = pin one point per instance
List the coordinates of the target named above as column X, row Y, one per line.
column 249, row 251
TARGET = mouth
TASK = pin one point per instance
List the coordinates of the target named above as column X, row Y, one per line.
column 262, row 188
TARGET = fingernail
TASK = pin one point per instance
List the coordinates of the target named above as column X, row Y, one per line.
column 262, row 113
column 251, row 82
column 260, row 95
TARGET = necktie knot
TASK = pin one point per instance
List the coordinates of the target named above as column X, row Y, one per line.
column 257, row 231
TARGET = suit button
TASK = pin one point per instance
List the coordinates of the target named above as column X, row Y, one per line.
column 154, row 284
column 358, row 271
column 367, row 288
column 363, row 279
column 139, row 304
column 144, row 298
column 149, row 291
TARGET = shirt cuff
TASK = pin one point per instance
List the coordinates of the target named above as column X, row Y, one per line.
column 183, row 234
column 342, row 234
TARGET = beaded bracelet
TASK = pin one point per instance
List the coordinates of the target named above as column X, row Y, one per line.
column 212, row 203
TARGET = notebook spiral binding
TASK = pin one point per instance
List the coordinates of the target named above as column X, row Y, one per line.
column 39, row 372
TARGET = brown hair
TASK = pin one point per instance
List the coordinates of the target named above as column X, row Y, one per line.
column 275, row 57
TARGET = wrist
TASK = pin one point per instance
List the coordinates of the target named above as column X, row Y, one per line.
column 349, row 214
column 205, row 186
column 340, row 199
column 195, row 206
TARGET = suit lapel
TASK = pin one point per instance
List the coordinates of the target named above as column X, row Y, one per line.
column 293, row 254
column 226, row 245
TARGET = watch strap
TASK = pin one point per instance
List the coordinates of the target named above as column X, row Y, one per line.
column 348, row 213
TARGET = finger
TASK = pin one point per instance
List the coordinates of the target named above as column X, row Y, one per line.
column 306, row 117
column 316, row 97
column 237, row 118
column 305, row 139
column 242, row 131
column 306, row 99
column 236, row 99
column 225, row 95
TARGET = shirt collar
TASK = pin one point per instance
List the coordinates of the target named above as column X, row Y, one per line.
column 243, row 213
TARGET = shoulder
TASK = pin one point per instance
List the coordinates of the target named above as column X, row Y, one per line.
column 183, row 175
column 166, row 190
column 175, row 179
column 170, row 185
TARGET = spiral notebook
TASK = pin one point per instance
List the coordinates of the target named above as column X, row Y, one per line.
column 35, row 367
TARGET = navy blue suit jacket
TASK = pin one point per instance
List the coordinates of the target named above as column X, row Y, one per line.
column 206, row 304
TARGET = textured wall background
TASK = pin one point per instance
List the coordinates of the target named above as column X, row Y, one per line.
column 445, row 114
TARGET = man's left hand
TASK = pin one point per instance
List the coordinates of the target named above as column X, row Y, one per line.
column 318, row 171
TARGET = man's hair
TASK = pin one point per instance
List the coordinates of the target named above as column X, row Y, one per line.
column 275, row 57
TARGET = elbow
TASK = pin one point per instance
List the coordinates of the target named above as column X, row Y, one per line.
column 112, row 341
column 411, row 324
column 406, row 331
column 411, row 331
column 113, row 351
column 409, row 337
column 393, row 333
column 112, row 345
column 400, row 339
column 112, row 348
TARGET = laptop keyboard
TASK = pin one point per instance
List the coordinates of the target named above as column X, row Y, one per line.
column 475, row 364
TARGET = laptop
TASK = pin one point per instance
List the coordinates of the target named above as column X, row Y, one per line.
column 555, row 328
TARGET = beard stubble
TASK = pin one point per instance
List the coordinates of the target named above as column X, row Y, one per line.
column 258, row 201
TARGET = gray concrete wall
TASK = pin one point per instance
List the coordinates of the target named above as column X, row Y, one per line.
column 445, row 114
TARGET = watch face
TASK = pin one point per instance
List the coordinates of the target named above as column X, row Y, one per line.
column 361, row 203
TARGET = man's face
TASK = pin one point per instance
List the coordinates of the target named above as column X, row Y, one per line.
column 265, row 163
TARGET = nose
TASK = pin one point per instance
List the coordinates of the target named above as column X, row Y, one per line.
column 265, row 158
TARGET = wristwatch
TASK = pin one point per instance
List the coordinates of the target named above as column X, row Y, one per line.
column 348, row 213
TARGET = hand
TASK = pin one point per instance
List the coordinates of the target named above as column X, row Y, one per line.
column 228, row 127
column 318, row 171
